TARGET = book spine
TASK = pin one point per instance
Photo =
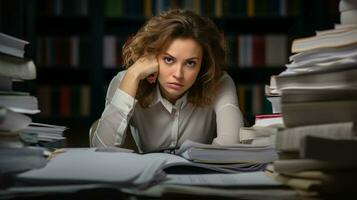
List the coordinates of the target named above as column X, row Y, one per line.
column 258, row 51
column 64, row 101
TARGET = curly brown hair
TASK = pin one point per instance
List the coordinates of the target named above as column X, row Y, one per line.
column 156, row 36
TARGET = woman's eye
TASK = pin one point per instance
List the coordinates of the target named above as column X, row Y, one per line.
column 168, row 60
column 190, row 63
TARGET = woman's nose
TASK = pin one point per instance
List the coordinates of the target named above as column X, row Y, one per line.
column 178, row 73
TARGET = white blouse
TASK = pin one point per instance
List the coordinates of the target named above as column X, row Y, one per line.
column 166, row 126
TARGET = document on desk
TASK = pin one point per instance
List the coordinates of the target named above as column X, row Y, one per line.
column 219, row 154
column 247, row 179
column 248, row 185
column 88, row 166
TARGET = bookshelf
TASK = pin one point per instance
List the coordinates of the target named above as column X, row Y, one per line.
column 68, row 44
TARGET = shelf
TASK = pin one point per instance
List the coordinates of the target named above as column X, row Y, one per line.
column 62, row 75
column 61, row 25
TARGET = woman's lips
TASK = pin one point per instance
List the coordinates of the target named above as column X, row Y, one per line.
column 175, row 86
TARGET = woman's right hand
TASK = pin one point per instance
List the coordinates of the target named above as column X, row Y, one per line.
column 145, row 67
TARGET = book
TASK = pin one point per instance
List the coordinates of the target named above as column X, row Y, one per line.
column 12, row 122
column 22, row 103
column 329, row 149
column 264, row 120
column 305, row 106
column 299, row 165
column 345, row 5
column 217, row 154
column 310, row 113
column 334, row 39
column 257, row 135
column 349, row 16
column 307, row 58
column 318, row 60
column 290, row 139
column 338, row 64
column 337, row 78
column 275, row 49
column 17, row 68
column 44, row 132
column 296, row 95
column 12, row 46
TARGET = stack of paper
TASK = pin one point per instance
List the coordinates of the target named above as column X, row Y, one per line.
column 90, row 166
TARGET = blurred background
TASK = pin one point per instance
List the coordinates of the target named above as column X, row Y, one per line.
column 76, row 47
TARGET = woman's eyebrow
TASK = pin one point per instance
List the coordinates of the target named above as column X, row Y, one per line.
column 185, row 59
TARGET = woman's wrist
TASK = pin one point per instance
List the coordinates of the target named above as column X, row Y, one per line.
column 133, row 75
column 130, row 83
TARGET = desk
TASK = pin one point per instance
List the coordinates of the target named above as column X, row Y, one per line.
column 102, row 191
column 243, row 186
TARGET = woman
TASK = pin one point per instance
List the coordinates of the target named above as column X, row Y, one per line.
column 173, row 89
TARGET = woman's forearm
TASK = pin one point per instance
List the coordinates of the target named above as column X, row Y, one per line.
column 130, row 83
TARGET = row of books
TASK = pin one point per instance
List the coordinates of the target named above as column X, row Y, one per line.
column 64, row 100
column 74, row 100
column 69, row 51
column 63, row 8
column 242, row 50
column 16, row 126
column 147, row 8
column 252, row 100
column 256, row 50
column 212, row 8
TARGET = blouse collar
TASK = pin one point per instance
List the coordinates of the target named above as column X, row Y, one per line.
column 158, row 98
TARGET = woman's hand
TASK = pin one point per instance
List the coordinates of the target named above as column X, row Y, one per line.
column 146, row 67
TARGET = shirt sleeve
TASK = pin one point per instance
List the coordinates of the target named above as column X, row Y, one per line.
column 119, row 106
column 228, row 115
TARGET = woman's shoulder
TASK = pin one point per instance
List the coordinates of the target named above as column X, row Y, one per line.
column 119, row 76
column 225, row 77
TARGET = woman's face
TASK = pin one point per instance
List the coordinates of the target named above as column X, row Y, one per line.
column 179, row 66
